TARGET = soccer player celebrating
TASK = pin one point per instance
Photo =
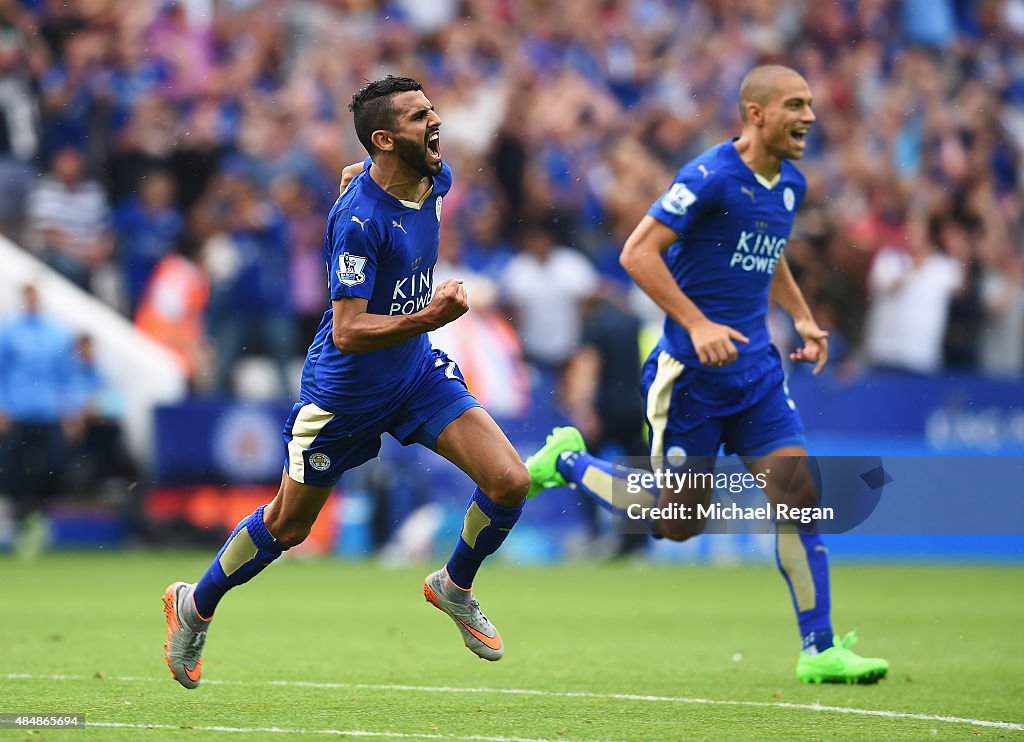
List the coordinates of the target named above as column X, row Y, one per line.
column 371, row 370
column 709, row 253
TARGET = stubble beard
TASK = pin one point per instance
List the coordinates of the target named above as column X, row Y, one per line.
column 414, row 155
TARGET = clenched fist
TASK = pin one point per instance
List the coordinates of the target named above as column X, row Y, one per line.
column 449, row 302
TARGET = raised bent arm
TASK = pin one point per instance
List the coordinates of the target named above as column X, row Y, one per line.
column 642, row 258
column 354, row 330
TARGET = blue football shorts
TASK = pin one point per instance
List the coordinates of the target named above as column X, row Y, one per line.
column 323, row 444
column 694, row 412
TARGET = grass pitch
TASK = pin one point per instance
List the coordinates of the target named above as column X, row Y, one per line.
column 593, row 652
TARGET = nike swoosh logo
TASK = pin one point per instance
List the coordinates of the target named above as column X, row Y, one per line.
column 195, row 672
column 492, row 642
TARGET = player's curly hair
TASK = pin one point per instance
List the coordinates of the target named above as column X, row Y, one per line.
column 372, row 107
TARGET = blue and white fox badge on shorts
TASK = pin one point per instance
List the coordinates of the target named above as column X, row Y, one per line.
column 320, row 461
column 350, row 269
column 675, row 456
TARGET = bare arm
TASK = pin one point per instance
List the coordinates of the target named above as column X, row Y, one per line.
column 354, row 330
column 348, row 173
column 785, row 291
column 642, row 258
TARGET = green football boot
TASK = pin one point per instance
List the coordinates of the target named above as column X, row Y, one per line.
column 543, row 472
column 839, row 664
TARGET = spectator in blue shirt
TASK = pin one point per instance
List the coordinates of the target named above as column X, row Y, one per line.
column 37, row 413
column 250, row 302
column 99, row 454
column 146, row 226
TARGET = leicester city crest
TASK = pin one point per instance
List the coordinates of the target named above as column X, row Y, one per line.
column 788, row 198
column 676, row 456
column 437, row 208
column 350, row 269
column 320, row 461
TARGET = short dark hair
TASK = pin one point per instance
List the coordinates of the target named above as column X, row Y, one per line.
column 372, row 108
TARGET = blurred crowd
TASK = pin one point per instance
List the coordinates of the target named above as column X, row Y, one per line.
column 177, row 158
column 60, row 429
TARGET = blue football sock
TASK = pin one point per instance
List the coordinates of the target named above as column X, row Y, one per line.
column 249, row 549
column 610, row 485
column 803, row 561
column 485, row 528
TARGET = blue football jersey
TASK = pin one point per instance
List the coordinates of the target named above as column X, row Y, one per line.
column 732, row 227
column 381, row 249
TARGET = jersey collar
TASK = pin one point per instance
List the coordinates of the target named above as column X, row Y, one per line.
column 769, row 184
column 417, row 205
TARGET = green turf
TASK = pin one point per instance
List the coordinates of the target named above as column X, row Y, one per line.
column 952, row 635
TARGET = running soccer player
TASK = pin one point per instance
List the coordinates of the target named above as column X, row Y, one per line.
column 710, row 254
column 371, row 370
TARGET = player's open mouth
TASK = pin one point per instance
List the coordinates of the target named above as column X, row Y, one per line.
column 434, row 145
column 799, row 136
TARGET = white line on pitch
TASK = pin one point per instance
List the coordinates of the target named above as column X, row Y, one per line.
column 326, row 732
column 563, row 694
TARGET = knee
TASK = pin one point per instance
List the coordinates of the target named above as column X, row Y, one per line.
column 508, row 486
column 679, row 530
column 675, row 536
column 802, row 494
column 289, row 531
